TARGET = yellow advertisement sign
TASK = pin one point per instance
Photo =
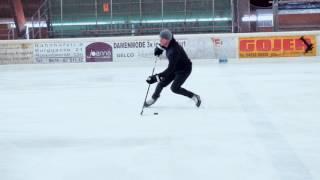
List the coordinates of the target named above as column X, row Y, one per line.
column 277, row 46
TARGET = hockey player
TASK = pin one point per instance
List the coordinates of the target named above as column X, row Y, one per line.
column 179, row 69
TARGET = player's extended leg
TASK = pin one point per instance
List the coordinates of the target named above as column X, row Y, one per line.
column 178, row 81
column 159, row 88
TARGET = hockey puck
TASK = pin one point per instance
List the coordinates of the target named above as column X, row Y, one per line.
column 155, row 113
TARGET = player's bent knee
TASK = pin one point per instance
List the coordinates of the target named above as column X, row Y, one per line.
column 162, row 84
column 175, row 89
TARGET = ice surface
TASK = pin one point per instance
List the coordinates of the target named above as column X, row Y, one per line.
column 259, row 121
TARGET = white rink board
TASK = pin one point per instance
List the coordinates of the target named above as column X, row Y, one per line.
column 124, row 49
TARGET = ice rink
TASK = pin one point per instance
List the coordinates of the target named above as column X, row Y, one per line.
column 259, row 121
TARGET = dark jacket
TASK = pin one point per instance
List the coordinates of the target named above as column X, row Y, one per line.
column 178, row 59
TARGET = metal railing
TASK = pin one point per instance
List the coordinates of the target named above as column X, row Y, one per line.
column 136, row 32
column 40, row 22
column 139, row 17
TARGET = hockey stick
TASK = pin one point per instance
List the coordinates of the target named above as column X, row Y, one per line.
column 145, row 99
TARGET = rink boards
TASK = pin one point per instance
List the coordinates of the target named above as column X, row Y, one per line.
column 236, row 47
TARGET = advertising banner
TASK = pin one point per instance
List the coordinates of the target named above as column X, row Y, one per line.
column 318, row 47
column 224, row 47
column 134, row 50
column 199, row 47
column 137, row 49
column 277, row 46
column 99, row 52
column 59, row 52
column 16, row 53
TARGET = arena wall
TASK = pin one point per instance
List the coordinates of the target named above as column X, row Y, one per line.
column 236, row 47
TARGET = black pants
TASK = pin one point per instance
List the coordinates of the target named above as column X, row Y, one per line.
column 178, row 78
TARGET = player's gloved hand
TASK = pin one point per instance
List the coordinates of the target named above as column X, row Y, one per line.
column 158, row 50
column 153, row 79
